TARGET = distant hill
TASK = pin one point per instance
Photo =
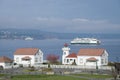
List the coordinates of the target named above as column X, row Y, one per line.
column 38, row 34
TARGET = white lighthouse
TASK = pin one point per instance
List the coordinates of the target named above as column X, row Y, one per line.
column 65, row 50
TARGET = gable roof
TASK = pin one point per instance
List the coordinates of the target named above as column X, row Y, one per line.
column 26, row 51
column 26, row 58
column 91, row 52
column 72, row 55
column 91, row 59
column 5, row 59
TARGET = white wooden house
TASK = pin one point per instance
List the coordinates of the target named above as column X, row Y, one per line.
column 28, row 56
column 5, row 62
column 92, row 57
column 85, row 57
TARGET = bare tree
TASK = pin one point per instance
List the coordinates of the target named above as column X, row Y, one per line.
column 52, row 58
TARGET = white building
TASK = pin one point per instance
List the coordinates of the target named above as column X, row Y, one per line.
column 28, row 56
column 5, row 62
column 85, row 57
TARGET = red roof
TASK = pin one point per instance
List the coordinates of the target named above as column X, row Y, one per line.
column 5, row 59
column 72, row 55
column 26, row 51
column 91, row 59
column 65, row 45
column 91, row 52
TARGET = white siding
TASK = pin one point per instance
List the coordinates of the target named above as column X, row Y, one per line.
column 35, row 59
column 18, row 60
column 82, row 60
column 70, row 60
column 6, row 65
column 2, row 64
column 65, row 53
column 104, row 58
column 38, row 58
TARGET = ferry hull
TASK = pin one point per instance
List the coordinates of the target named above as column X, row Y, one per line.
column 85, row 41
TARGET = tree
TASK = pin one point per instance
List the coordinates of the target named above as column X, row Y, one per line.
column 52, row 58
column 114, row 74
column 116, row 70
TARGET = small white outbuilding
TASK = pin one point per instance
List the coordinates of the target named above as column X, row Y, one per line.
column 5, row 62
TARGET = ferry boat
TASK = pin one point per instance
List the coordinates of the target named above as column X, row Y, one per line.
column 28, row 38
column 85, row 41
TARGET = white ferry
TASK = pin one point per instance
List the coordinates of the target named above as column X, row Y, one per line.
column 28, row 38
column 85, row 41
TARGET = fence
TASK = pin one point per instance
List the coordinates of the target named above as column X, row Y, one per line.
column 76, row 67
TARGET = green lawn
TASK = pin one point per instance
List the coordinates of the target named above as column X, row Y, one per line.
column 94, row 75
column 44, row 77
column 1, row 75
column 58, row 77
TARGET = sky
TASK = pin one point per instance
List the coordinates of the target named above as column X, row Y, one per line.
column 68, row 16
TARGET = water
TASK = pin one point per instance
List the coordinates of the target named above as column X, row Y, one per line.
column 54, row 46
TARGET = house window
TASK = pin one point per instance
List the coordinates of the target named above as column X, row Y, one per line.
column 67, row 60
column 102, row 61
column 40, row 59
column 64, row 53
column 105, row 60
column 17, row 59
column 81, row 60
column 71, row 59
column 36, row 59
column 38, row 53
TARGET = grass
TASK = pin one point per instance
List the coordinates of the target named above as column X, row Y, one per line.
column 1, row 75
column 94, row 75
column 44, row 77
column 58, row 77
column 47, row 69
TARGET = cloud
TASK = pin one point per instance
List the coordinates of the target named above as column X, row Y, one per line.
column 53, row 22
column 83, row 20
column 78, row 25
column 80, row 20
column 41, row 19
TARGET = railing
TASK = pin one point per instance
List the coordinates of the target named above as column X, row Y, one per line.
column 66, row 67
column 81, row 67
column 11, row 66
column 76, row 67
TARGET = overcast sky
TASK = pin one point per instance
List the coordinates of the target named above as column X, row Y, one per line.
column 80, row 16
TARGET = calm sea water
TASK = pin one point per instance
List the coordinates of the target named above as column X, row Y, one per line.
column 54, row 46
